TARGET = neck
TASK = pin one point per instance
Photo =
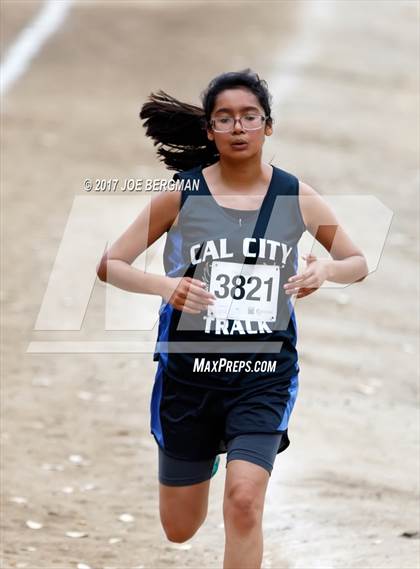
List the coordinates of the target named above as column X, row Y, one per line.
column 247, row 173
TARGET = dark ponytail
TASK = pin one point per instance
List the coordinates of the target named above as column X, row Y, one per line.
column 180, row 128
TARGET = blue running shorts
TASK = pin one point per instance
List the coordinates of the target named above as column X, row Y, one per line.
column 259, row 448
column 196, row 424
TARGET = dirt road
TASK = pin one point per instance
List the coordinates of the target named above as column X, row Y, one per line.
column 77, row 451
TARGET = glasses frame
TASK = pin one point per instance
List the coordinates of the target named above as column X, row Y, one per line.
column 212, row 121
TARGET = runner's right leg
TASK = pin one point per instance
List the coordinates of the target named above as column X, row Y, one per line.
column 183, row 495
column 183, row 509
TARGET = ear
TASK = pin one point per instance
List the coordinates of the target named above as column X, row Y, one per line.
column 268, row 130
column 210, row 134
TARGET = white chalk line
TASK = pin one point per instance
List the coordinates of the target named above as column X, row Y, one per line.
column 29, row 42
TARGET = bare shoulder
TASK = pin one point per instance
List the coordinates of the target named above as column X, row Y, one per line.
column 307, row 190
column 165, row 206
column 314, row 208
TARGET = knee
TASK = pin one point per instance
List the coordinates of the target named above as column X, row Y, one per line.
column 178, row 536
column 242, row 506
column 178, row 532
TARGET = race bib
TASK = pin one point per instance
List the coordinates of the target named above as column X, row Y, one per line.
column 244, row 292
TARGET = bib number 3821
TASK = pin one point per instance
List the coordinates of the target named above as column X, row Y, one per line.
column 244, row 292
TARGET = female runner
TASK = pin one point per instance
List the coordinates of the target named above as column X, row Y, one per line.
column 227, row 375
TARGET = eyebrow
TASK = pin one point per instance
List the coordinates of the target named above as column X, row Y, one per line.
column 227, row 110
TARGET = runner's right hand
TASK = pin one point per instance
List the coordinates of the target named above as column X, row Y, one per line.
column 187, row 294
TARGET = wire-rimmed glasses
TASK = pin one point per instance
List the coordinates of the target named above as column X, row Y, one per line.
column 250, row 121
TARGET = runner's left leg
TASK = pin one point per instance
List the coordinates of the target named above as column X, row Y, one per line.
column 250, row 459
column 243, row 506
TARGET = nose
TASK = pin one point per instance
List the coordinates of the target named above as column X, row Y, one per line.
column 237, row 125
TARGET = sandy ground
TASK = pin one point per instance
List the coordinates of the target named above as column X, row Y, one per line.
column 347, row 488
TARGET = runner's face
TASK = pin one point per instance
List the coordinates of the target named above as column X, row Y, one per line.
column 236, row 103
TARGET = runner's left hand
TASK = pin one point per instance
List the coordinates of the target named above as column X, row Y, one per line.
column 310, row 279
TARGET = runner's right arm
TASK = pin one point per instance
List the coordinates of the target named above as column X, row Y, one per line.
column 115, row 267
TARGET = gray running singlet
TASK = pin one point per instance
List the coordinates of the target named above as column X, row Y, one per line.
column 245, row 259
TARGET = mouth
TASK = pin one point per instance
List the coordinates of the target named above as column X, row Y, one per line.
column 239, row 145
